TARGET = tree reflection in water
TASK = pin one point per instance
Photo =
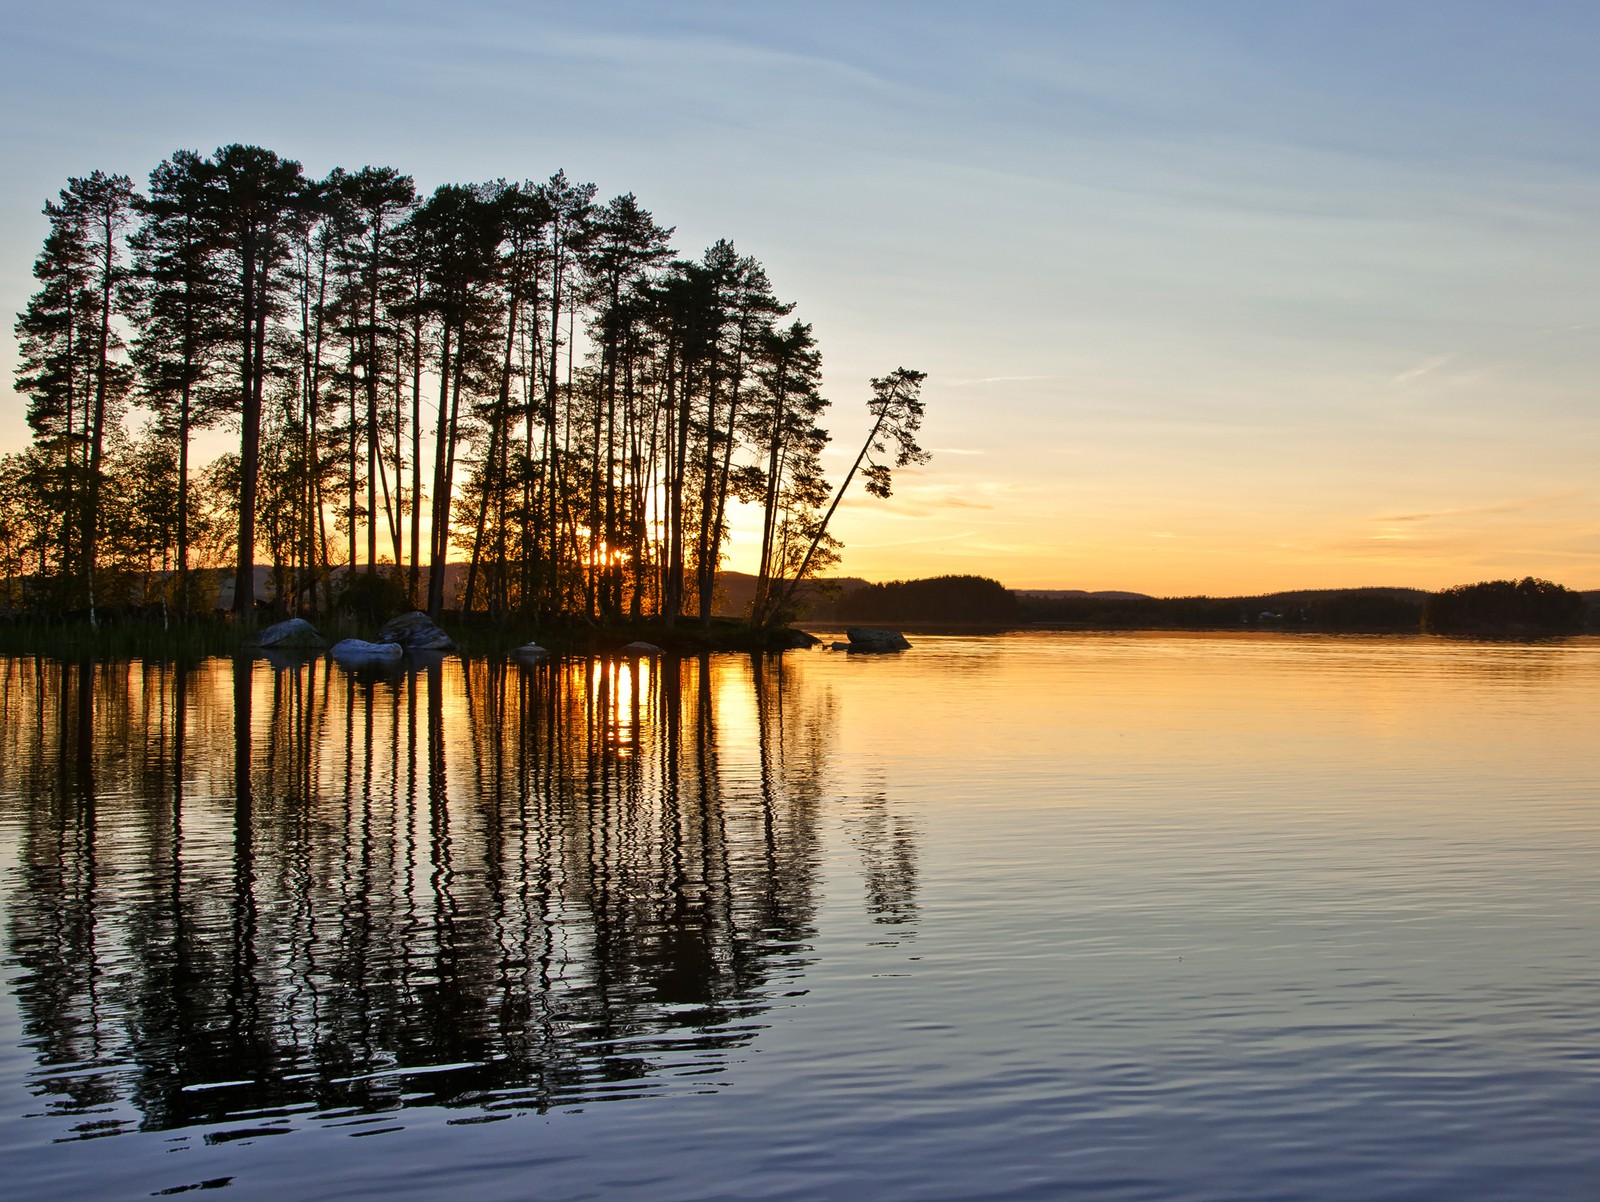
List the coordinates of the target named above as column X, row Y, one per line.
column 256, row 890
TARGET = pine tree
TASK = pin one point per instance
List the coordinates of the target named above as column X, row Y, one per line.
column 896, row 409
column 459, row 232
column 55, row 353
column 177, row 300
column 367, row 207
column 71, row 367
column 625, row 245
column 253, row 196
column 743, row 310
column 788, row 481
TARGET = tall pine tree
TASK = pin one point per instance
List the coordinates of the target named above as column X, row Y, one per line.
column 177, row 301
column 253, row 195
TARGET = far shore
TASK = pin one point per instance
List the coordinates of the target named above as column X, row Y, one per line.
column 120, row 637
column 1526, row 609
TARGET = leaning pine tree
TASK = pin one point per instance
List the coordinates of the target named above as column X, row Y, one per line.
column 896, row 408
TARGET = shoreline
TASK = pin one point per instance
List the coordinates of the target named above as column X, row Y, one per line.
column 123, row 639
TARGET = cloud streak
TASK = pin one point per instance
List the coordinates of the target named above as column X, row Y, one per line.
column 1518, row 506
column 970, row 381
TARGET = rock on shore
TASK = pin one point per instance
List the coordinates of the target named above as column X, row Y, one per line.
column 296, row 632
column 415, row 631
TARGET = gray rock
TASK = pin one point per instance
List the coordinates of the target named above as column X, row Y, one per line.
column 358, row 653
column 838, row 646
column 530, row 653
column 415, row 631
column 641, row 648
column 875, row 642
column 296, row 632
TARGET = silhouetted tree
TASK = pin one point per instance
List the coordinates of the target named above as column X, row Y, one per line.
column 459, row 233
column 177, row 303
column 70, row 362
column 253, row 197
column 896, row 409
column 788, row 480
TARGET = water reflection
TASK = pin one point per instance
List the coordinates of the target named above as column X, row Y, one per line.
column 253, row 891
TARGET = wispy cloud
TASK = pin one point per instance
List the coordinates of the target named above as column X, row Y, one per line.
column 1521, row 505
column 915, row 497
column 1440, row 370
column 914, row 542
column 968, row 382
column 1426, row 368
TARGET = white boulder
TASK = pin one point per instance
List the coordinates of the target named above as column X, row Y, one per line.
column 358, row 653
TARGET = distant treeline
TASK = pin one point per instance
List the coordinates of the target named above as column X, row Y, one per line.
column 1364, row 609
column 1506, row 607
column 964, row 599
column 512, row 375
column 1528, row 606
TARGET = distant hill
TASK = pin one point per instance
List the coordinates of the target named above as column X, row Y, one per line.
column 1378, row 609
column 1356, row 609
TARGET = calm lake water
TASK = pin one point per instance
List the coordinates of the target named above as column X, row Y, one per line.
column 1018, row 917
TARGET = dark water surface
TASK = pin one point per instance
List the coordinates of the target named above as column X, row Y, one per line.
column 1132, row 917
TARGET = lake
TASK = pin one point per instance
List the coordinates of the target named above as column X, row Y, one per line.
column 1030, row 916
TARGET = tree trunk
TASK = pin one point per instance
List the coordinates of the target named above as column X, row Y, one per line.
column 441, row 432
column 97, row 431
column 787, row 595
column 252, row 356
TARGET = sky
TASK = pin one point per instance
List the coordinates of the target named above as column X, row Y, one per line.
column 1213, row 297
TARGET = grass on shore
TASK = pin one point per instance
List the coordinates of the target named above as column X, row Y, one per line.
column 117, row 638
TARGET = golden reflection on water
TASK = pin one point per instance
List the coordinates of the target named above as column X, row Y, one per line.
column 1084, row 716
column 1061, row 902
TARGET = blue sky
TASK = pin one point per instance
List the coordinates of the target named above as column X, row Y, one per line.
column 1212, row 296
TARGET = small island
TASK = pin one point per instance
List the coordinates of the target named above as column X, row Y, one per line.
column 507, row 405
column 1516, row 608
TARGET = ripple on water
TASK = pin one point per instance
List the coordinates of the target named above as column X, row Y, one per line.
column 1027, row 917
